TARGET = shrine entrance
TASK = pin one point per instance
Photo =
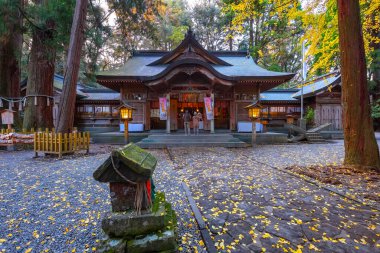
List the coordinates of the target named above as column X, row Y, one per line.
column 193, row 102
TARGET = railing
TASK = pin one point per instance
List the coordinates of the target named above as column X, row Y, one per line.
column 58, row 143
column 7, row 131
column 23, row 131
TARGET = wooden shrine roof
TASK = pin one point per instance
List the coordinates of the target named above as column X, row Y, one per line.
column 150, row 66
column 319, row 84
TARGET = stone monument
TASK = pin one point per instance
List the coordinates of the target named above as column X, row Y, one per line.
column 141, row 220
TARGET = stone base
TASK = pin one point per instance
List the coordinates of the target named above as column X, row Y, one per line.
column 149, row 232
column 156, row 242
column 112, row 246
column 151, row 243
column 128, row 224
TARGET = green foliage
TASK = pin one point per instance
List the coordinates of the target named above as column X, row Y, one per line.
column 8, row 8
column 269, row 29
column 310, row 113
column 375, row 110
column 208, row 25
column 178, row 35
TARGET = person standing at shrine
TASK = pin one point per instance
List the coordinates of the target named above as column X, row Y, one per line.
column 186, row 122
column 196, row 123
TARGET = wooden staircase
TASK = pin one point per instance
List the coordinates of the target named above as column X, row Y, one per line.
column 314, row 137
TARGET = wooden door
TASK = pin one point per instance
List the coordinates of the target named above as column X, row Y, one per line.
column 331, row 113
column 173, row 115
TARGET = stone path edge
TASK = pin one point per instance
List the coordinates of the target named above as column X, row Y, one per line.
column 209, row 243
column 315, row 182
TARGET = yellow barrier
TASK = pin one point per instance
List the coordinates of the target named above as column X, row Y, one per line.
column 7, row 131
column 58, row 143
column 24, row 131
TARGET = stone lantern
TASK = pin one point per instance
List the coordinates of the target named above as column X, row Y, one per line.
column 254, row 113
column 290, row 119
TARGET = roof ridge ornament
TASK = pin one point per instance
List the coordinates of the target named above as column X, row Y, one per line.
column 190, row 32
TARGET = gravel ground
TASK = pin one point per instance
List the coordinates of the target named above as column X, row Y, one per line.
column 51, row 205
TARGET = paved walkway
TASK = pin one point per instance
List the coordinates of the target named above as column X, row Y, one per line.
column 251, row 207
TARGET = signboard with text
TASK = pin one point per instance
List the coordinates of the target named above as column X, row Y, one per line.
column 209, row 108
column 163, row 109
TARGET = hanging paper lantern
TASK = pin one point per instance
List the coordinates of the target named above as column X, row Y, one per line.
column 35, row 100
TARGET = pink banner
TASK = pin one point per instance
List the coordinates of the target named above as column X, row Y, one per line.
column 209, row 108
column 163, row 109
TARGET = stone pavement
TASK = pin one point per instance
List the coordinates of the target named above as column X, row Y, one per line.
column 251, row 207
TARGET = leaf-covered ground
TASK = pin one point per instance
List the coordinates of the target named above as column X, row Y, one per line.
column 252, row 207
column 249, row 205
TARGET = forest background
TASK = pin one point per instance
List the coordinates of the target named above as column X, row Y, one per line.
column 271, row 31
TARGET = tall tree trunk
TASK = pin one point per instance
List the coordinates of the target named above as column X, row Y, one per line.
column 251, row 33
column 66, row 110
column 40, row 78
column 10, row 54
column 361, row 149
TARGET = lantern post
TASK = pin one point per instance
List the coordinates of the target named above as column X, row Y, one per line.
column 126, row 116
column 254, row 113
column 290, row 121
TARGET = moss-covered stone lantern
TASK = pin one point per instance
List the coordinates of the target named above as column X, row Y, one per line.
column 141, row 219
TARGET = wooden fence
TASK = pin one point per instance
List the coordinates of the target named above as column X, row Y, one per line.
column 58, row 143
column 31, row 131
column 6, row 131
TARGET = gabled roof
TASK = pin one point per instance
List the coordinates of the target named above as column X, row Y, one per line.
column 191, row 48
column 150, row 66
column 279, row 95
column 139, row 67
column 58, row 85
column 320, row 84
column 101, row 94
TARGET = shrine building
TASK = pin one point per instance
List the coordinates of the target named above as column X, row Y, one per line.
column 184, row 77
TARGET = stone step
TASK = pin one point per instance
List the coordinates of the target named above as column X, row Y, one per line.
column 191, row 140
column 181, row 140
column 180, row 136
column 194, row 144
column 314, row 137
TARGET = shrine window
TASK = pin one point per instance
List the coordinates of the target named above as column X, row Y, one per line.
column 293, row 109
column 102, row 111
column 85, row 110
column 276, row 111
column 115, row 112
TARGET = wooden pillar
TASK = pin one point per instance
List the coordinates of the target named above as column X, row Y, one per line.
column 147, row 115
column 212, row 127
column 168, row 113
column 126, row 135
column 253, row 133
column 232, row 115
